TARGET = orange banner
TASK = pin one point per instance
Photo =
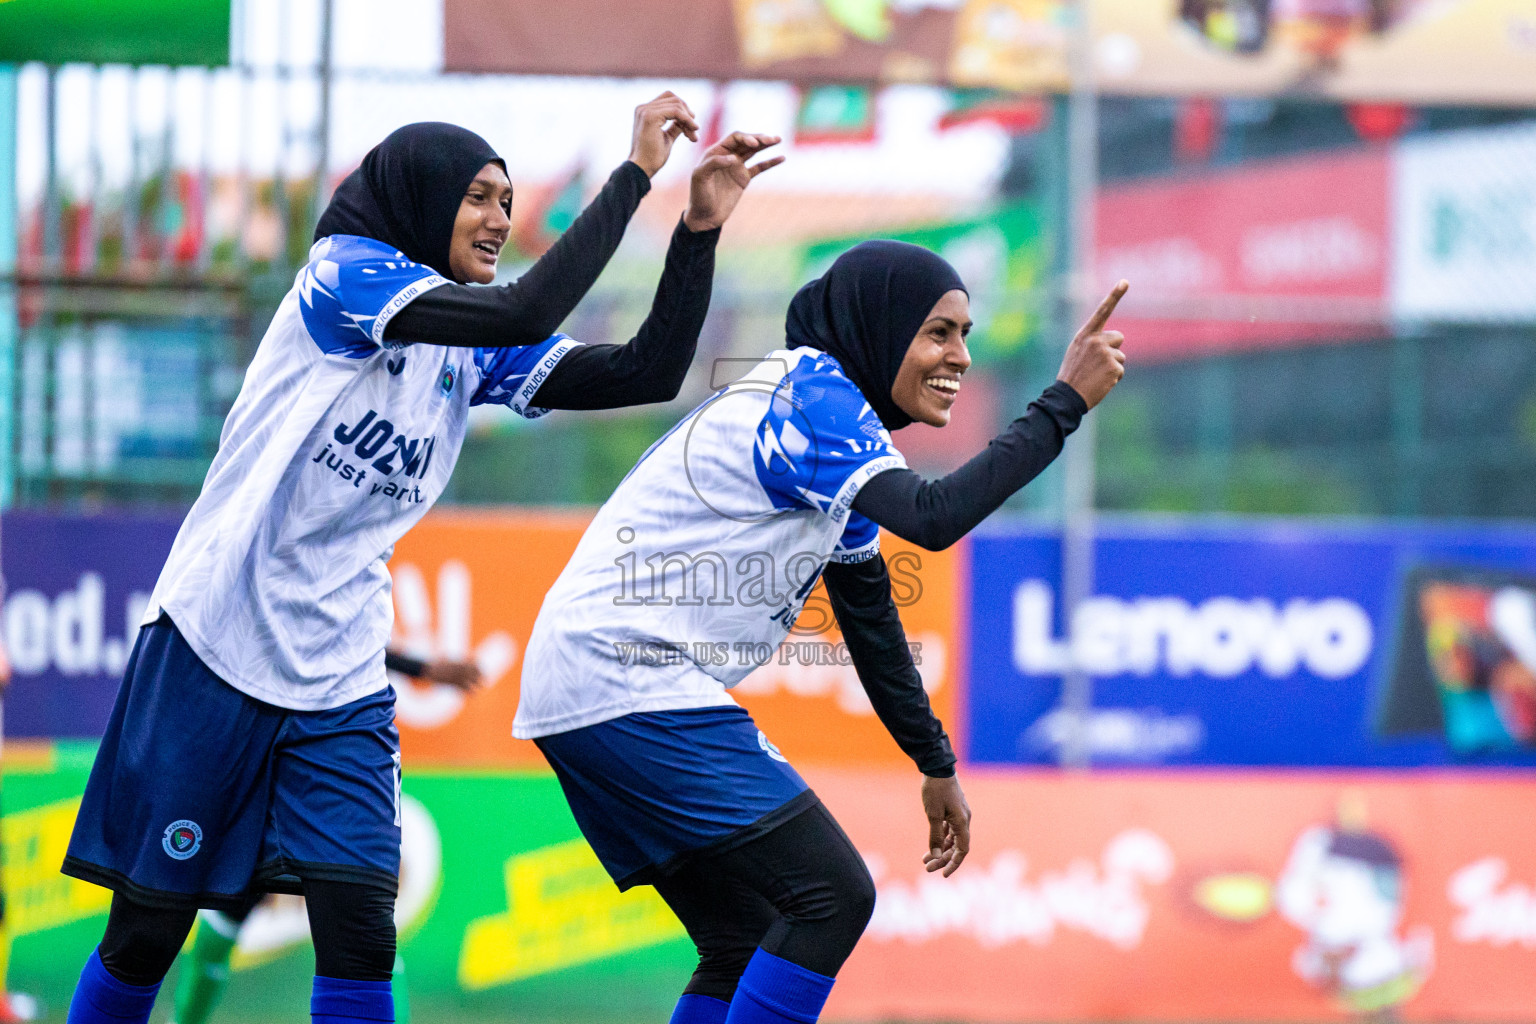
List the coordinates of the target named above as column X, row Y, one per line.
column 468, row 585
column 808, row 699
column 1198, row 897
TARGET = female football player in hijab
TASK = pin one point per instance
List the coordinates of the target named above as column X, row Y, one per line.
column 698, row 566
column 253, row 746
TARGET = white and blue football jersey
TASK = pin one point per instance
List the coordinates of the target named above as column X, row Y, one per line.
column 695, row 570
column 337, row 444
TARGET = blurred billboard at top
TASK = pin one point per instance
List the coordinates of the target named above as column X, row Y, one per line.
column 184, row 32
column 1426, row 51
column 1419, row 51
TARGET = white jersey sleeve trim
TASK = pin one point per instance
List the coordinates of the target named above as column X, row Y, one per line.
column 862, row 554
column 402, row 299
column 843, row 500
column 537, row 376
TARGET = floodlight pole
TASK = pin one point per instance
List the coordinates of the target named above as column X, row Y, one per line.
column 321, row 195
column 9, row 224
column 1077, row 538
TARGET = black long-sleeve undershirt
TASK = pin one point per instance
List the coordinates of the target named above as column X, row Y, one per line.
column 651, row 367
column 877, row 644
column 935, row 514
column 406, row 665
column 533, row 307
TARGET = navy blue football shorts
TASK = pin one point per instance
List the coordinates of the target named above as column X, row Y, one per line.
column 653, row 790
column 201, row 793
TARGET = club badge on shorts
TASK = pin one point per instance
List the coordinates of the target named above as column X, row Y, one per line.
column 182, row 839
column 768, row 748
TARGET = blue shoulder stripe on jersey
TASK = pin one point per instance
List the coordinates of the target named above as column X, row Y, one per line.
column 352, row 287
column 512, row 376
column 820, row 441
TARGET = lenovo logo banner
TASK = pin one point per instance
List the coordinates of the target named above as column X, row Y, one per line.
column 1258, row 643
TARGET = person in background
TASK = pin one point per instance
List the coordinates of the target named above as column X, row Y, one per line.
column 14, row 1006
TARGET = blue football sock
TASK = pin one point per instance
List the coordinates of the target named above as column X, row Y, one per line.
column 102, row 999
column 338, row 1001
column 700, row 1010
column 772, row 990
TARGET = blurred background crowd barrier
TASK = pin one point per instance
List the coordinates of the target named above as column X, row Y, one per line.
column 1245, row 693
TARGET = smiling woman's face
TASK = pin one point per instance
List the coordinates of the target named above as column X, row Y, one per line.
column 482, row 227
column 928, row 382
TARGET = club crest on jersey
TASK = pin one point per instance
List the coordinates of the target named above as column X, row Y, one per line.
column 446, row 384
column 182, row 839
column 768, row 748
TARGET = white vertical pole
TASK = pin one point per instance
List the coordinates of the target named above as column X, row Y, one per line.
column 1077, row 549
column 322, row 194
column 9, row 227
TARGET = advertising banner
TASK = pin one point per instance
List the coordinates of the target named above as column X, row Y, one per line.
column 75, row 591
column 1019, row 43
column 808, row 699
column 467, row 586
column 502, row 906
column 1003, row 259
column 1464, row 210
column 1197, row 897
column 1414, row 51
column 1268, row 253
column 1115, row 896
column 1260, row 644
column 470, row 585
column 111, row 32
column 1420, row 51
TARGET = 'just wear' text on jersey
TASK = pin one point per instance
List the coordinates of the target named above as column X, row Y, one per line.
column 337, row 444
column 702, row 559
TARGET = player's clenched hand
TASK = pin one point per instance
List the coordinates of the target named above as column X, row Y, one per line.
column 657, row 125
column 723, row 175
column 1095, row 362
column 949, row 824
column 461, row 675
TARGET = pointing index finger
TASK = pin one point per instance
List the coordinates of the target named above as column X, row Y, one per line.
column 1101, row 315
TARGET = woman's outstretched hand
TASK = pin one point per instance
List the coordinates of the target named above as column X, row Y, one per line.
column 657, row 125
column 949, row 824
column 1094, row 362
column 722, row 176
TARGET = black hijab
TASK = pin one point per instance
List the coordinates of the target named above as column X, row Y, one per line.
column 865, row 311
column 407, row 191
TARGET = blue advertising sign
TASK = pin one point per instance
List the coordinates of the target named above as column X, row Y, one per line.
column 75, row 590
column 1260, row 643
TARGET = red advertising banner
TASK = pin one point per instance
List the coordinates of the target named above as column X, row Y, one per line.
column 468, row 585
column 1198, row 897
column 1294, row 250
